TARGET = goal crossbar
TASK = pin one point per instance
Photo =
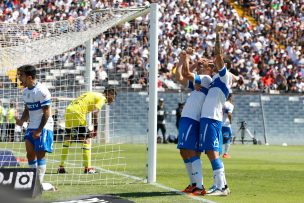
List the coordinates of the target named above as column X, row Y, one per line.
column 32, row 43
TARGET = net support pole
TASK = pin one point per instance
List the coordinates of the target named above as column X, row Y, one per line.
column 263, row 118
column 88, row 72
column 153, row 71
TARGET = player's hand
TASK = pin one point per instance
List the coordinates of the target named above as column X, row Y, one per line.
column 183, row 55
column 92, row 131
column 189, row 51
column 219, row 61
column 36, row 134
column 93, row 134
column 197, row 87
column 19, row 122
column 219, row 27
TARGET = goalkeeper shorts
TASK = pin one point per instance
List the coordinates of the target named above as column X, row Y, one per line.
column 77, row 133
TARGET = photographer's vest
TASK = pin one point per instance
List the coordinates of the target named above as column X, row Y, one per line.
column 1, row 115
column 10, row 117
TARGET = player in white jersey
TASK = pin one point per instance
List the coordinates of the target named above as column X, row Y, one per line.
column 37, row 111
column 226, row 128
column 188, row 132
column 211, row 119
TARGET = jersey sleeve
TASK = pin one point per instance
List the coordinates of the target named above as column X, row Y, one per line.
column 45, row 97
column 225, row 76
column 190, row 85
column 230, row 109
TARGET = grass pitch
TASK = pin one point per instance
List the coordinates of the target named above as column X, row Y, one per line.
column 255, row 174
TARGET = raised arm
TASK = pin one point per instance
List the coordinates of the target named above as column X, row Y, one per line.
column 179, row 77
column 186, row 67
column 219, row 58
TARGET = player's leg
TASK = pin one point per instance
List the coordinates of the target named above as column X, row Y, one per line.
column 226, row 131
column 164, row 130
column 43, row 145
column 30, row 153
column 188, row 164
column 65, row 149
column 41, row 162
column 84, row 135
column 187, row 143
column 212, row 144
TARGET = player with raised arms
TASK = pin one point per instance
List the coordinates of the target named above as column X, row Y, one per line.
column 188, row 132
column 212, row 116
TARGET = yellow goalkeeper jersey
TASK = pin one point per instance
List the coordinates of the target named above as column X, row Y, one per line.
column 75, row 114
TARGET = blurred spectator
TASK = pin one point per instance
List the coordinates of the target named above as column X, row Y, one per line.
column 11, row 122
column 178, row 113
column 276, row 42
column 2, row 115
column 161, row 119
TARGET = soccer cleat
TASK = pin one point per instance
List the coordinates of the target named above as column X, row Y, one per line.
column 197, row 191
column 189, row 189
column 211, row 189
column 61, row 170
column 89, row 171
column 218, row 192
column 226, row 156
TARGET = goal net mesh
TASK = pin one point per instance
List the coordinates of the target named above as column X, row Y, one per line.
column 58, row 50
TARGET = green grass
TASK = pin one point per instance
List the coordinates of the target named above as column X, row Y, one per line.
column 255, row 174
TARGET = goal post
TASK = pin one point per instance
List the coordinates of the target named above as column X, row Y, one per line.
column 72, row 57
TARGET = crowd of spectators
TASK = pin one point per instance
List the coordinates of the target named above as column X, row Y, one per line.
column 268, row 57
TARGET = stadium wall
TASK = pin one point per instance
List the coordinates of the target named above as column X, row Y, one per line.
column 280, row 117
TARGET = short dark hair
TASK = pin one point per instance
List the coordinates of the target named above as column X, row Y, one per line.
column 28, row 70
column 110, row 90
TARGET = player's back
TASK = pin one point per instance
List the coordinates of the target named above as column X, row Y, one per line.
column 228, row 108
column 87, row 102
column 217, row 95
column 35, row 99
column 194, row 102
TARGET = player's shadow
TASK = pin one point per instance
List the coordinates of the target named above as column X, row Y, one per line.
column 145, row 194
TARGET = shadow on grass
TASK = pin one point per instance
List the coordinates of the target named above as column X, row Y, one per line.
column 145, row 194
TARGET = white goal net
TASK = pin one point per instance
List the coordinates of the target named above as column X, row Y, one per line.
column 107, row 47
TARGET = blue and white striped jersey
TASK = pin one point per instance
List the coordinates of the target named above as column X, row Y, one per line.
column 35, row 98
column 217, row 95
column 228, row 108
column 194, row 102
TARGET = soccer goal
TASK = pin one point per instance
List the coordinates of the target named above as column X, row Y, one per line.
column 116, row 47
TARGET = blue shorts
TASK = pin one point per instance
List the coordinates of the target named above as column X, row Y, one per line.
column 226, row 131
column 44, row 143
column 210, row 135
column 188, row 134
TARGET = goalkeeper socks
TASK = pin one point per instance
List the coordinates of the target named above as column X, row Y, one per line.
column 197, row 171
column 41, row 169
column 65, row 152
column 32, row 164
column 86, row 155
column 188, row 165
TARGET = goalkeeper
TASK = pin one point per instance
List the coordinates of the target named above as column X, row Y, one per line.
column 76, row 125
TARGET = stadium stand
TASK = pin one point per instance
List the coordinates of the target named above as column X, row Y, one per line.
column 256, row 51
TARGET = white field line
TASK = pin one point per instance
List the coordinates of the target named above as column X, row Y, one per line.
column 145, row 181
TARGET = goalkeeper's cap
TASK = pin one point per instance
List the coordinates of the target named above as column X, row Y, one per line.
column 161, row 99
